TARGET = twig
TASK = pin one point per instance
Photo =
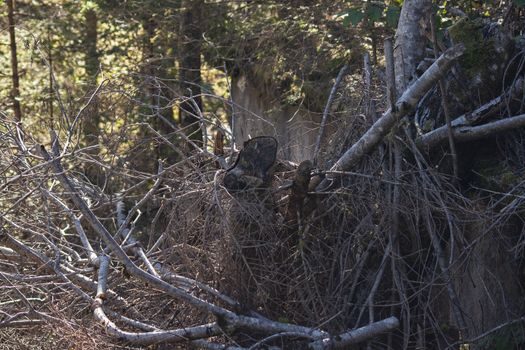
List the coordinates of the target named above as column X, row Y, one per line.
column 439, row 253
column 77, row 117
column 190, row 283
column 126, row 233
column 153, row 226
column 444, row 103
column 322, row 126
column 486, row 334
column 90, row 252
column 123, row 222
column 379, row 276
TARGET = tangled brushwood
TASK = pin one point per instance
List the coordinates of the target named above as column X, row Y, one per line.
column 260, row 253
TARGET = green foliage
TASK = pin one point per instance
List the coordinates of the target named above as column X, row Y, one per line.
column 372, row 12
column 392, row 16
column 88, row 5
column 292, row 54
column 353, row 16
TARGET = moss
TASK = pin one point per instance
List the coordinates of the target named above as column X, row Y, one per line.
column 479, row 50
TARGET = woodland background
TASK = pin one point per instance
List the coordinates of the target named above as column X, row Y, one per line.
column 377, row 201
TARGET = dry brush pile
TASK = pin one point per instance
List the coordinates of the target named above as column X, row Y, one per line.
column 381, row 249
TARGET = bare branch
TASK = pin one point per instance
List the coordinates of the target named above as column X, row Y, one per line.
column 144, row 338
column 471, row 133
column 326, row 111
column 482, row 113
column 357, row 335
column 404, row 105
column 230, row 318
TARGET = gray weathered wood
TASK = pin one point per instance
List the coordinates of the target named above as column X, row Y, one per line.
column 405, row 104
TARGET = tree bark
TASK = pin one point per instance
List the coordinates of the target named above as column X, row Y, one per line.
column 92, row 64
column 190, row 68
column 15, row 92
column 410, row 41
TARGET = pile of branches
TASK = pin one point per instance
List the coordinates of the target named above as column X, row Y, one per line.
column 181, row 256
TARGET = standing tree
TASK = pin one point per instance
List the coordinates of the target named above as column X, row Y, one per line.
column 92, row 67
column 190, row 67
column 15, row 92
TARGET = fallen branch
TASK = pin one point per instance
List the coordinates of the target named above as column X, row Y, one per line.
column 471, row 133
column 489, row 109
column 405, row 104
column 357, row 335
column 144, row 338
column 225, row 318
column 229, row 318
column 338, row 80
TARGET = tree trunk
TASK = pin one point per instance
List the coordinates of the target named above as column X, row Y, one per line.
column 410, row 41
column 15, row 93
column 51, row 87
column 156, row 69
column 92, row 63
column 190, row 67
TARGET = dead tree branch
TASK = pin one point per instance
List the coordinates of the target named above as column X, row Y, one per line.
column 326, row 111
column 480, row 114
column 471, row 133
column 357, row 335
column 377, row 132
column 144, row 338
